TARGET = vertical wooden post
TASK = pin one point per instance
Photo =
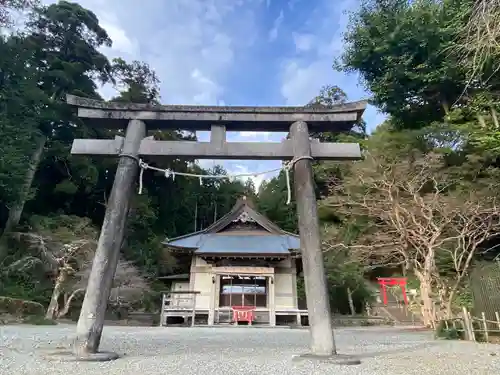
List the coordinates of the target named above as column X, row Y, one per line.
column 469, row 330
column 193, row 314
column 485, row 326
column 162, row 312
column 211, row 307
column 471, row 323
column 322, row 340
column 91, row 321
column 272, row 300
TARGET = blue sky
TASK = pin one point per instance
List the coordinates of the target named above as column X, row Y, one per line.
column 234, row 52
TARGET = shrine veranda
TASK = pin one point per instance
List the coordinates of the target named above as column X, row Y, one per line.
column 138, row 119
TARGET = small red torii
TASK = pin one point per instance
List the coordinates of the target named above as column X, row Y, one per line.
column 243, row 314
column 392, row 281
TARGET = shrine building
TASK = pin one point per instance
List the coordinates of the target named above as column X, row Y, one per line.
column 243, row 261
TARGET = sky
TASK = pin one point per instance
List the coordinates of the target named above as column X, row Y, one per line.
column 234, row 52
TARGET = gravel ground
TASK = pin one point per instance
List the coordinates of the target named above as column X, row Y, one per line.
column 249, row 351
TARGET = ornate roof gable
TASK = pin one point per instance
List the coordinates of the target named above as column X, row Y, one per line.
column 276, row 241
column 244, row 212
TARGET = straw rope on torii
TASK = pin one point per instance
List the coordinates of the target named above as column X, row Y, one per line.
column 136, row 146
column 287, row 167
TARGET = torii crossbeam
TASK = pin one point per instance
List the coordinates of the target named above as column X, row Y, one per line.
column 138, row 118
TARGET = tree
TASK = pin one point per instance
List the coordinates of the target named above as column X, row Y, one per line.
column 7, row 6
column 272, row 203
column 20, row 103
column 136, row 81
column 129, row 287
column 63, row 41
column 415, row 211
column 330, row 95
column 478, row 45
column 62, row 245
column 403, row 53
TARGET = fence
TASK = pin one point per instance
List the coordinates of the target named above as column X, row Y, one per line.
column 470, row 328
column 484, row 286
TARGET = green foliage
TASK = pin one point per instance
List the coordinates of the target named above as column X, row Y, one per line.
column 331, row 95
column 464, row 297
column 18, row 95
column 31, row 287
column 402, row 51
column 342, row 276
column 20, row 307
column 137, row 82
column 39, row 321
column 328, row 96
column 272, row 203
column 8, row 6
column 446, row 331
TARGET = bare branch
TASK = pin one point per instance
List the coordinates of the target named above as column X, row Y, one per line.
column 412, row 212
column 479, row 40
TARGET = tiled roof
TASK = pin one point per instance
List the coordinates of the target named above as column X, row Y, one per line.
column 182, row 276
column 212, row 240
column 190, row 241
column 235, row 244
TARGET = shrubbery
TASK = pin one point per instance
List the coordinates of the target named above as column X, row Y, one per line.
column 19, row 307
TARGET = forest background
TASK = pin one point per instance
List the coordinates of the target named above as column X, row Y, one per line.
column 422, row 203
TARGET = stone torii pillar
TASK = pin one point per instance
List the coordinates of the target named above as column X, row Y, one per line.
column 138, row 118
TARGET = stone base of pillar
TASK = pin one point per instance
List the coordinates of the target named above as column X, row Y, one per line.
column 335, row 359
column 69, row 356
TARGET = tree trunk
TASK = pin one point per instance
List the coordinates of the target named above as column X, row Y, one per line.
column 53, row 308
column 449, row 304
column 451, row 296
column 67, row 303
column 425, row 295
column 351, row 302
column 17, row 209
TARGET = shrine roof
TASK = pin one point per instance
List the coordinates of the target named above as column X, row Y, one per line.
column 270, row 240
column 182, row 276
column 239, row 244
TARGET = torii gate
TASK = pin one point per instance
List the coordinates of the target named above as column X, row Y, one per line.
column 138, row 118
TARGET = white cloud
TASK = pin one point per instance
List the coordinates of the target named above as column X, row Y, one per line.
column 208, row 89
column 123, row 42
column 305, row 73
column 292, row 3
column 256, row 178
column 303, row 42
column 201, row 36
column 254, row 171
column 273, row 33
column 191, row 44
column 303, row 79
column 264, row 136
